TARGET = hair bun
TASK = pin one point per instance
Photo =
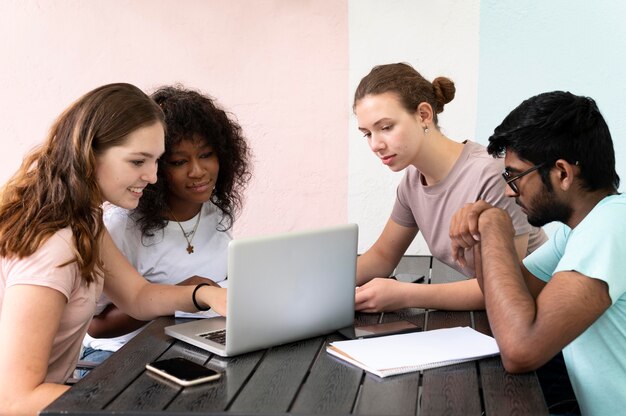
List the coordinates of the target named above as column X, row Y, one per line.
column 444, row 92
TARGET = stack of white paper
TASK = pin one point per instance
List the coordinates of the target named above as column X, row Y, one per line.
column 398, row 354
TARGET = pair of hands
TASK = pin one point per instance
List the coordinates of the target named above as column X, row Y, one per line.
column 466, row 225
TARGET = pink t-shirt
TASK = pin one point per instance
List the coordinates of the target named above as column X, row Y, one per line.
column 41, row 268
column 475, row 175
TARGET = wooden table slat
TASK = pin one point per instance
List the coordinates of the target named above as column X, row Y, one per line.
column 481, row 322
column 218, row 395
column 151, row 392
column 331, row 386
column 103, row 383
column 396, row 395
column 446, row 319
column 442, row 273
column 501, row 390
column 510, row 394
column 366, row 318
column 451, row 390
column 148, row 392
column 276, row 381
column 417, row 265
column 414, row 315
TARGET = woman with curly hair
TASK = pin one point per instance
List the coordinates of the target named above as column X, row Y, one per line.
column 57, row 257
column 181, row 225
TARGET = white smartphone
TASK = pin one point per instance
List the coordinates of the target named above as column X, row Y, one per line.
column 183, row 371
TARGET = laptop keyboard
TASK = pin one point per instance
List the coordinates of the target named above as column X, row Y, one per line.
column 215, row 336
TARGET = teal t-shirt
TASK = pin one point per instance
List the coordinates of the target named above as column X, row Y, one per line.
column 596, row 247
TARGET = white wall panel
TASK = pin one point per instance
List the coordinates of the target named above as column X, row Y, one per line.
column 439, row 38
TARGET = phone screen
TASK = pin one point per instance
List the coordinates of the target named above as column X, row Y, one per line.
column 377, row 330
column 182, row 371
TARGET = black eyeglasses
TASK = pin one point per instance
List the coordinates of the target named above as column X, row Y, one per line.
column 510, row 180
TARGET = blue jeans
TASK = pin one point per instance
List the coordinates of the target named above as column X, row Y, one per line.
column 93, row 355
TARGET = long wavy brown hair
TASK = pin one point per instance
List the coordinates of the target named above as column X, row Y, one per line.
column 56, row 186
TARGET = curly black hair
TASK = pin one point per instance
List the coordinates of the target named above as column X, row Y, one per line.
column 190, row 114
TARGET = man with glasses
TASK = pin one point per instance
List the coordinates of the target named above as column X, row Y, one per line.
column 570, row 293
column 510, row 177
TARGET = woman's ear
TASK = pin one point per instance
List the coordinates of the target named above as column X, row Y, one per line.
column 425, row 112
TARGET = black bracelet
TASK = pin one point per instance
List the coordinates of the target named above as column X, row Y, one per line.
column 193, row 297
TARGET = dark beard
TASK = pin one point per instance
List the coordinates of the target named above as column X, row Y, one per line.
column 545, row 208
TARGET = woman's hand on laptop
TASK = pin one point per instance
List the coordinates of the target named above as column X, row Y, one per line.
column 380, row 295
column 213, row 296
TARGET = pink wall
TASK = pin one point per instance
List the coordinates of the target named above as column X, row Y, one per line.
column 280, row 66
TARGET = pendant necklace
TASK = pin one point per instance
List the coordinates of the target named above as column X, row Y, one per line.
column 191, row 233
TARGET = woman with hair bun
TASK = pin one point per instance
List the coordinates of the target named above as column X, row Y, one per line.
column 396, row 110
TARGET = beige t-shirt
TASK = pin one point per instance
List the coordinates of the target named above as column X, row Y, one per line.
column 41, row 268
column 475, row 175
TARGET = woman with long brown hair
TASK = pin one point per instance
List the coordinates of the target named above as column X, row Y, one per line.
column 56, row 256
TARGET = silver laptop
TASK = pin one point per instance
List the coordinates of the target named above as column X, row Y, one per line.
column 281, row 288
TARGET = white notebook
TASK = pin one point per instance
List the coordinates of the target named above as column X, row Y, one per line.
column 416, row 351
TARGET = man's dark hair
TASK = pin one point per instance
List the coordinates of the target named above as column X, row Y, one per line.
column 560, row 125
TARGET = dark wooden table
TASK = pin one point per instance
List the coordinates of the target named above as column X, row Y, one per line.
column 302, row 378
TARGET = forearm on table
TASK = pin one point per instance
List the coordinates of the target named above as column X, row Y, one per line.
column 461, row 296
column 154, row 300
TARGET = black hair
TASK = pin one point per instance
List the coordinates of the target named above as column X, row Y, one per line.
column 190, row 115
column 560, row 125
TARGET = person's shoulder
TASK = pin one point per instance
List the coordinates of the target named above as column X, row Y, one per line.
column 475, row 149
column 481, row 163
column 211, row 212
column 478, row 153
column 209, row 208
column 62, row 241
column 57, row 249
column 213, row 218
column 115, row 217
column 605, row 221
column 611, row 207
column 617, row 200
column 114, row 213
